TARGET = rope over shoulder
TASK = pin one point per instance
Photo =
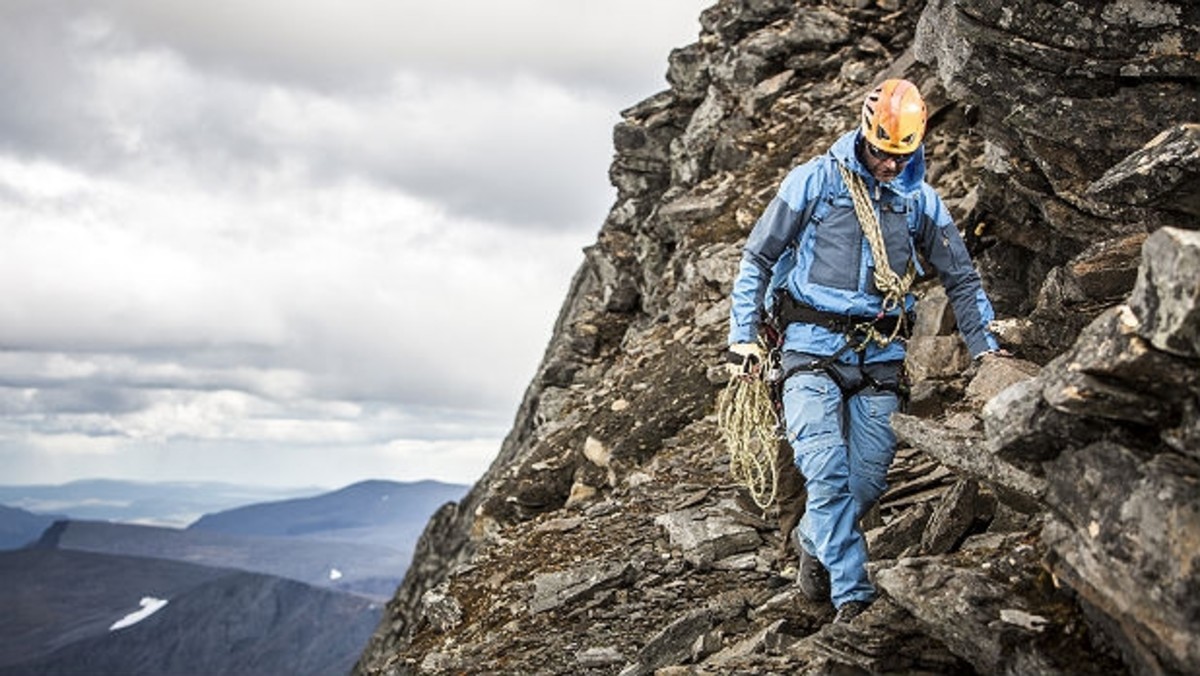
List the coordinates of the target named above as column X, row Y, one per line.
column 893, row 286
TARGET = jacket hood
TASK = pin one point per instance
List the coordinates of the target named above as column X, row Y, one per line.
column 908, row 182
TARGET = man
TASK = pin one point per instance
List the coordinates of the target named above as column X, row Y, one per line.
column 844, row 304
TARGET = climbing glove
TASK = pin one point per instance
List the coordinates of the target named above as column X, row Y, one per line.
column 744, row 359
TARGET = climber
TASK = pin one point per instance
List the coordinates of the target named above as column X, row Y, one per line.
column 842, row 308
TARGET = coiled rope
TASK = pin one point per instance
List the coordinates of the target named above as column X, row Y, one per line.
column 893, row 287
column 747, row 422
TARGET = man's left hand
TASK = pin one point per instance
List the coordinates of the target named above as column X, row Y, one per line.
column 744, row 359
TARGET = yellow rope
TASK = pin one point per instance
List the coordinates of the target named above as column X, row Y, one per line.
column 894, row 287
column 746, row 420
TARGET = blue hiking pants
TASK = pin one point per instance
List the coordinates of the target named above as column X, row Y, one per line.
column 843, row 447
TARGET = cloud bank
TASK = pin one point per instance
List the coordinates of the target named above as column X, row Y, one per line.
column 296, row 243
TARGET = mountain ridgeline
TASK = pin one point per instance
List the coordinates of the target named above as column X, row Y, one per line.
column 1044, row 511
column 367, row 512
column 291, row 586
column 62, row 607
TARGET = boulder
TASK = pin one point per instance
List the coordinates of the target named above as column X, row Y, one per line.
column 934, row 357
column 1165, row 173
column 551, row 590
column 1113, row 373
column 704, row 538
column 996, row 374
column 1166, row 298
column 1127, row 539
column 958, row 509
column 980, row 620
column 964, row 451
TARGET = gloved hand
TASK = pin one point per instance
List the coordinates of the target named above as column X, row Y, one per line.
column 992, row 354
column 744, row 359
column 977, row 362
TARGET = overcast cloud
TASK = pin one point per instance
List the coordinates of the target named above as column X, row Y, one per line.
column 297, row 243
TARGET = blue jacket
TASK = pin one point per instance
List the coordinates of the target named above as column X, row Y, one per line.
column 834, row 262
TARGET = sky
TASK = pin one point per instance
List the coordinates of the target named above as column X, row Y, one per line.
column 297, row 243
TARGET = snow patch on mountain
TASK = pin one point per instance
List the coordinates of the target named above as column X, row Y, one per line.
column 150, row 605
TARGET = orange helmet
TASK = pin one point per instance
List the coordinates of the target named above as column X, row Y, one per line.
column 893, row 117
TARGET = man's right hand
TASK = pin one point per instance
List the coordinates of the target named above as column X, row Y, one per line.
column 744, row 359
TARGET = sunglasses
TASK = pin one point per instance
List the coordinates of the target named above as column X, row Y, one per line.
column 884, row 156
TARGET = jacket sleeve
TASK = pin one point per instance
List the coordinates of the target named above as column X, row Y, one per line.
column 943, row 248
column 777, row 228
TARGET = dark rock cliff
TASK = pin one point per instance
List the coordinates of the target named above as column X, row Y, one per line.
column 1044, row 512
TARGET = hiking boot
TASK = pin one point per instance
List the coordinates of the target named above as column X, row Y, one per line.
column 850, row 610
column 812, row 578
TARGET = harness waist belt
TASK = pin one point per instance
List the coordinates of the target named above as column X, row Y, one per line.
column 791, row 310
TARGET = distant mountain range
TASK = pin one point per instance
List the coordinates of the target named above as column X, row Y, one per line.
column 172, row 503
column 19, row 528
column 369, row 512
column 367, row 570
column 289, row 586
column 61, row 610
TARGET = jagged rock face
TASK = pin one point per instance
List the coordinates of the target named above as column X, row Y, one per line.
column 1042, row 515
column 1103, row 439
column 1067, row 95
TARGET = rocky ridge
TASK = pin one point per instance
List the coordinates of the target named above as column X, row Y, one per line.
column 1044, row 512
